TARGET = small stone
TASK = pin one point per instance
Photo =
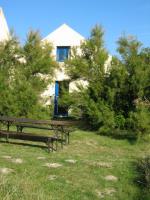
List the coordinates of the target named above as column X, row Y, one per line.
column 41, row 158
column 105, row 192
column 52, row 165
column 111, row 178
column 71, row 161
column 6, row 157
column 6, row 170
column 102, row 164
column 17, row 160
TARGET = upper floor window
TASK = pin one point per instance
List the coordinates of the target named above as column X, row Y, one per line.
column 62, row 53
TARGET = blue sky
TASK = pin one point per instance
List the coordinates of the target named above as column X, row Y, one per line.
column 116, row 16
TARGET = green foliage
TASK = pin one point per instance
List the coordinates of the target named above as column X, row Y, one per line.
column 143, row 179
column 108, row 102
column 139, row 121
column 25, row 72
column 111, row 97
column 89, row 67
column 8, row 62
column 120, row 121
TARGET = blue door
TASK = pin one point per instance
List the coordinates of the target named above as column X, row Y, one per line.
column 60, row 87
column 56, row 98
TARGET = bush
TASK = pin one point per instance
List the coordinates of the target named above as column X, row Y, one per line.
column 120, row 121
column 138, row 121
column 143, row 169
column 100, row 116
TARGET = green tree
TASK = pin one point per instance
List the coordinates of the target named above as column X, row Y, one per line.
column 89, row 66
column 27, row 71
column 8, row 63
column 112, row 98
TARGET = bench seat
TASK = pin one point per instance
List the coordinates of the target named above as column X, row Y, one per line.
column 59, row 132
column 49, row 140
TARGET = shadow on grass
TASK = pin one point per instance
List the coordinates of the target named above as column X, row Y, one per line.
column 118, row 134
column 131, row 140
column 26, row 144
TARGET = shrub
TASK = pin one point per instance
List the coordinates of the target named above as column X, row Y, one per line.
column 143, row 169
column 100, row 116
column 120, row 121
column 138, row 121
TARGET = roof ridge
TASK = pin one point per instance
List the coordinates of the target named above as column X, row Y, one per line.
column 60, row 27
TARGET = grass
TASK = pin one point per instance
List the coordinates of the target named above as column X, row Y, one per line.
column 96, row 156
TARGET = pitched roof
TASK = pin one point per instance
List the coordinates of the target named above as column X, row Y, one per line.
column 64, row 35
column 4, row 31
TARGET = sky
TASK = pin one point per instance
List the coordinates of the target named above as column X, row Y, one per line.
column 118, row 17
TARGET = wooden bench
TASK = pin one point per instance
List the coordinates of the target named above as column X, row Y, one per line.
column 49, row 140
column 59, row 131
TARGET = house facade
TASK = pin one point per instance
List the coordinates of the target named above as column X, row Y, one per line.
column 63, row 40
column 4, row 31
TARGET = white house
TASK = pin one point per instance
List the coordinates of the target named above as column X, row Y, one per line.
column 4, row 31
column 62, row 39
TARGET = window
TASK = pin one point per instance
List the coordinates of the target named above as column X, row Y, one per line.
column 62, row 53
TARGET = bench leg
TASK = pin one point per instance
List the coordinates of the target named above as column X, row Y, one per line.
column 50, row 145
column 68, row 137
column 8, row 125
column 19, row 129
column 56, row 145
column 7, row 138
column 62, row 137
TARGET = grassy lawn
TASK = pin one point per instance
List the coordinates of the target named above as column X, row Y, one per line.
column 92, row 167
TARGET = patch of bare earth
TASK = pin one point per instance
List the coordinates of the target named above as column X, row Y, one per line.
column 13, row 160
column 111, row 178
column 101, row 164
column 5, row 170
column 71, row 161
column 91, row 143
column 52, row 165
column 7, row 157
column 17, row 160
column 105, row 192
column 41, row 158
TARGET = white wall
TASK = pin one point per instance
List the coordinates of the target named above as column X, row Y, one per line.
column 4, row 31
column 63, row 36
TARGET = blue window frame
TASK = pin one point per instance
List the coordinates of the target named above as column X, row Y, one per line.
column 62, row 53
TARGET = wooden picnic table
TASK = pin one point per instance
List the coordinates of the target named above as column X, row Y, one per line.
column 60, row 128
column 12, row 120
